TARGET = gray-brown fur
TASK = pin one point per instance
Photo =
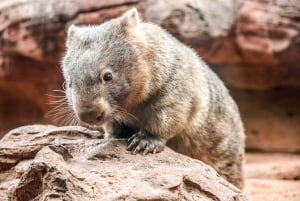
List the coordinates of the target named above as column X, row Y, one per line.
column 159, row 88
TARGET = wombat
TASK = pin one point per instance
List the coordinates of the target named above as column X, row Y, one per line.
column 127, row 75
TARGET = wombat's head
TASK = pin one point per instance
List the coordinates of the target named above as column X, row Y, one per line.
column 103, row 73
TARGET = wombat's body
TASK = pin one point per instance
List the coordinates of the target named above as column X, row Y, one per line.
column 134, row 74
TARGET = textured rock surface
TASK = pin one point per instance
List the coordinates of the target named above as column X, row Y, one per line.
column 270, row 190
column 195, row 23
column 25, row 92
column 271, row 118
column 70, row 163
column 273, row 166
column 266, row 44
column 252, row 44
column 36, row 29
column 273, row 177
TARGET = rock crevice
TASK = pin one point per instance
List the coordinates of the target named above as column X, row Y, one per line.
column 80, row 167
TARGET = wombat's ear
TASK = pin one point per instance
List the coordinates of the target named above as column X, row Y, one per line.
column 130, row 18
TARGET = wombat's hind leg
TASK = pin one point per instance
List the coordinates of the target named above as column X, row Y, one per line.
column 145, row 143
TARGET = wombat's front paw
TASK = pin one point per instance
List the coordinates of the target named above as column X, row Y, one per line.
column 146, row 143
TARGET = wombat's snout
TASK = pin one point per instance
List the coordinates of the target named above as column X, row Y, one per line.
column 91, row 115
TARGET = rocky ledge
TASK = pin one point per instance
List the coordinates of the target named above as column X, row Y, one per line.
column 43, row 162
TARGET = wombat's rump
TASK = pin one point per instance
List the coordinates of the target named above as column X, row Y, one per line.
column 127, row 73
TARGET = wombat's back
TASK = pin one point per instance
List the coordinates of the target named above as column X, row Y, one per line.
column 210, row 127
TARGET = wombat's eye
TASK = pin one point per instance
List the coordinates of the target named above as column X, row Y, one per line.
column 107, row 77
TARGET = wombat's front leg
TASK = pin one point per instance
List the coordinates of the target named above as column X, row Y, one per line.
column 146, row 143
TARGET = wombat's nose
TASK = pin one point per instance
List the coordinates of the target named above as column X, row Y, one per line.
column 90, row 115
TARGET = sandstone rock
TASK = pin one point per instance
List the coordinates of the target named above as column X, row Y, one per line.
column 252, row 44
column 272, row 177
column 239, row 33
column 271, row 118
column 266, row 44
column 26, row 92
column 270, row 190
column 196, row 23
column 268, row 28
column 273, row 166
column 71, row 163
column 36, row 29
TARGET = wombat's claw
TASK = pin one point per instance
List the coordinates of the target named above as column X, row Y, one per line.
column 145, row 143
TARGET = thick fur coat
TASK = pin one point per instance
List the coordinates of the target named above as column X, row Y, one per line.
column 126, row 73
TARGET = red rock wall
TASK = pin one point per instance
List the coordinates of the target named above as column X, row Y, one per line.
column 267, row 45
column 253, row 45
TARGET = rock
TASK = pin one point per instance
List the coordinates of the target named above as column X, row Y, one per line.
column 266, row 29
column 271, row 118
column 261, row 53
column 275, row 48
column 195, row 23
column 270, row 190
column 273, row 176
column 273, row 166
column 37, row 30
column 72, row 163
column 26, row 93
column 251, row 44
column 254, row 43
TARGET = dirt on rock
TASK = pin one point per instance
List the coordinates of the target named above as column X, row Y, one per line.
column 73, row 163
column 273, row 176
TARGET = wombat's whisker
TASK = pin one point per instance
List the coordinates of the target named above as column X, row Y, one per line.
column 55, row 96
column 61, row 91
column 59, row 106
column 58, row 101
column 61, row 112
